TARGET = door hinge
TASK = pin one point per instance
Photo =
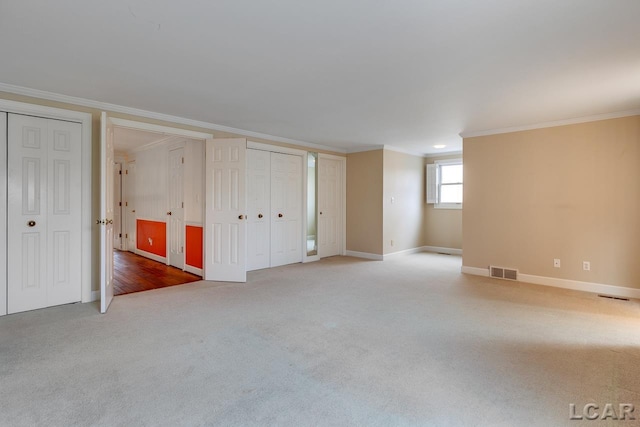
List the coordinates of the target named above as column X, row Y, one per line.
column 183, row 204
column 126, row 203
column 126, row 236
column 119, row 172
column 120, row 235
column 126, row 172
column 183, row 160
column 119, row 203
column 182, row 249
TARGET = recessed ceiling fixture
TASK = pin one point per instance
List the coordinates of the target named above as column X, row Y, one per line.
column 439, row 146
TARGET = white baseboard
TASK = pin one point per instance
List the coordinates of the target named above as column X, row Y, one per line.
column 404, row 252
column 95, row 296
column 365, row 255
column 576, row 285
column 151, row 256
column 194, row 270
column 442, row 250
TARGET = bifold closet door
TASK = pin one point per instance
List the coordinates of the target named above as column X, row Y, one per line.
column 286, row 209
column 258, row 209
column 43, row 212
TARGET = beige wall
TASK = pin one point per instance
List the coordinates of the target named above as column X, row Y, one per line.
column 569, row 192
column 443, row 227
column 404, row 181
column 364, row 202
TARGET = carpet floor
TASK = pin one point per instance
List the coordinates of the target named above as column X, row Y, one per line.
column 344, row 341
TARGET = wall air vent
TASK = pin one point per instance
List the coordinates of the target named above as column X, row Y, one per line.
column 503, row 273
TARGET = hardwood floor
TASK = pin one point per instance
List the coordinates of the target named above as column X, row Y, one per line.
column 134, row 273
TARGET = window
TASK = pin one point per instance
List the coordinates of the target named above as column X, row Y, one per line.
column 444, row 184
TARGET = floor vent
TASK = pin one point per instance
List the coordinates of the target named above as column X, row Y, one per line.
column 611, row 297
column 503, row 273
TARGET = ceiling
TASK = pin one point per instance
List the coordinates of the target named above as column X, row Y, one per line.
column 340, row 73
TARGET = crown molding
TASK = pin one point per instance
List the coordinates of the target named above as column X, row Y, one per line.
column 577, row 120
column 114, row 108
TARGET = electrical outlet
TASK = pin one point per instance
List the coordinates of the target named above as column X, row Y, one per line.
column 586, row 265
column 556, row 263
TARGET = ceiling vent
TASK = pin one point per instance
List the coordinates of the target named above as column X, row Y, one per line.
column 503, row 273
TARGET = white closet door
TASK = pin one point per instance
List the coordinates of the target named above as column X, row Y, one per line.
column 286, row 209
column 329, row 207
column 258, row 209
column 117, row 208
column 106, row 212
column 175, row 213
column 225, row 257
column 44, row 212
column 3, row 213
column 129, row 180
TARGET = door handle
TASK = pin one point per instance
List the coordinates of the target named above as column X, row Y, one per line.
column 169, row 213
column 259, row 215
column 240, row 216
column 31, row 223
column 279, row 215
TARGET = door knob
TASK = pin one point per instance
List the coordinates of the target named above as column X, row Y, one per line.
column 259, row 215
column 169, row 213
column 31, row 223
column 320, row 212
column 240, row 216
column 109, row 221
column 279, row 215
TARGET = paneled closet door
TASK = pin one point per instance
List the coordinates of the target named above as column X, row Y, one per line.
column 258, row 209
column 329, row 207
column 44, row 213
column 3, row 213
column 175, row 213
column 286, row 209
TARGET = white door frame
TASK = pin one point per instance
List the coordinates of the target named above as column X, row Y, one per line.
column 89, row 274
column 343, row 191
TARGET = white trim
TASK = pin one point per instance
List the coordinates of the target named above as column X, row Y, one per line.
column 87, row 224
column 555, row 123
column 403, row 151
column 275, row 148
column 443, row 154
column 193, row 224
column 576, row 285
column 149, row 255
column 35, row 93
column 442, row 250
column 193, row 270
column 475, row 271
column 95, row 296
column 310, row 258
column 365, row 255
column 165, row 130
column 362, row 149
column 404, row 252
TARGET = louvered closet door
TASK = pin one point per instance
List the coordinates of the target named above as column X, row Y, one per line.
column 43, row 212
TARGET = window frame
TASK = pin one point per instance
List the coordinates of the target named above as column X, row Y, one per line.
column 439, row 184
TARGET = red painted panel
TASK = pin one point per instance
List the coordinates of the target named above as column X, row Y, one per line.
column 194, row 246
column 157, row 232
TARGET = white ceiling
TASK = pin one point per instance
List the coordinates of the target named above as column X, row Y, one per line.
column 341, row 73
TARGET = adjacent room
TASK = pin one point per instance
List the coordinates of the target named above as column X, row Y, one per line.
column 388, row 214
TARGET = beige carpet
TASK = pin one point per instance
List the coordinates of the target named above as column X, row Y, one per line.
column 409, row 341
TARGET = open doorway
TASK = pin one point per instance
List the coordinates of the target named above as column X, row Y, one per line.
column 158, row 207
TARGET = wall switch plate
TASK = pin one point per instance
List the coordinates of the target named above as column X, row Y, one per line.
column 556, row 263
column 586, row 265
